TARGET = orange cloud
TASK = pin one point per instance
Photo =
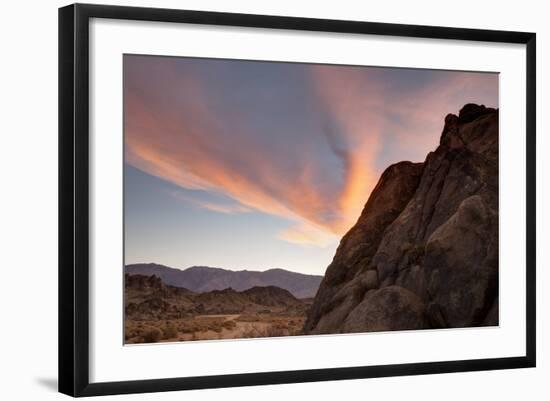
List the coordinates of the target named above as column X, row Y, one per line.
column 355, row 102
column 308, row 235
column 195, row 151
column 212, row 206
column 180, row 134
column 423, row 112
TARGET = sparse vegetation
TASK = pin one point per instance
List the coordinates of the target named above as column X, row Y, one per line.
column 170, row 331
column 156, row 312
column 152, row 334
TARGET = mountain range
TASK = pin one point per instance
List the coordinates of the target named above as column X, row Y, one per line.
column 205, row 279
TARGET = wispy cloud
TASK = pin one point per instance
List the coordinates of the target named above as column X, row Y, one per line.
column 307, row 234
column 300, row 142
column 352, row 102
column 218, row 207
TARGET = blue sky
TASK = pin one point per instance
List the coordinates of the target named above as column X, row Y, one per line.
column 257, row 165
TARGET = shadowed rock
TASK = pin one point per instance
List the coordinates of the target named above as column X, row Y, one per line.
column 424, row 252
column 147, row 297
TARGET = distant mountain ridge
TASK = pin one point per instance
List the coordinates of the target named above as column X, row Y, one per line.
column 205, row 279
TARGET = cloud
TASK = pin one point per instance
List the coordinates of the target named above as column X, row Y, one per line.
column 218, row 207
column 352, row 101
column 301, row 142
column 308, row 235
column 418, row 117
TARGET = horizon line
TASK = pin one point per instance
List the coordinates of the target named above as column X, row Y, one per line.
column 221, row 268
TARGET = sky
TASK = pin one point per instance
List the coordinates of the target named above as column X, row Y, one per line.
column 257, row 165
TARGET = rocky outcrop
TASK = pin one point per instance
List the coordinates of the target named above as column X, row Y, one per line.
column 140, row 282
column 424, row 252
column 271, row 296
column 147, row 297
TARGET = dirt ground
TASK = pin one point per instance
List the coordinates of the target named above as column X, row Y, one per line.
column 213, row 327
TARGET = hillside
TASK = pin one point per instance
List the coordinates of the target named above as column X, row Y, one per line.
column 424, row 252
column 155, row 312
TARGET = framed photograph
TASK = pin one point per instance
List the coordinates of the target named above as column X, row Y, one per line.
column 251, row 199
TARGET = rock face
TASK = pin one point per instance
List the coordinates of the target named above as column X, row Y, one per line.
column 424, row 252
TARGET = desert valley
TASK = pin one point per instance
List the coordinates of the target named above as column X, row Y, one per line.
column 156, row 311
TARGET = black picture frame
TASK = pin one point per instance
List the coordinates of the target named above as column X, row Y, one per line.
column 74, row 198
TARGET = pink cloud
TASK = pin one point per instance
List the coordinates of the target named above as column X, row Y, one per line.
column 187, row 143
column 212, row 206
